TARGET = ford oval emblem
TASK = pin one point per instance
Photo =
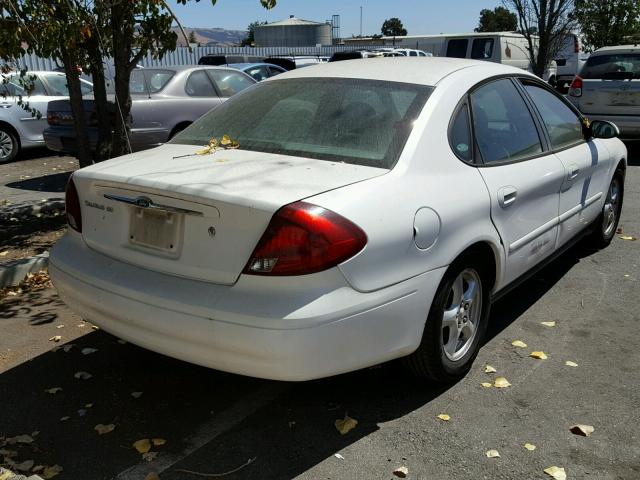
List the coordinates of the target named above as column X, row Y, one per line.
column 143, row 202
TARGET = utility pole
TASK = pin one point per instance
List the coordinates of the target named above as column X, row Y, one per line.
column 361, row 20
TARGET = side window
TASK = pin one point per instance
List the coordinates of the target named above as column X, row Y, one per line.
column 457, row 48
column 504, row 128
column 136, row 82
column 413, row 53
column 482, row 48
column 258, row 73
column 29, row 84
column 199, row 85
column 274, row 71
column 460, row 134
column 229, row 83
column 562, row 123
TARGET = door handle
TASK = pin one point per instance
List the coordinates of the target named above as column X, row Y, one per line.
column 573, row 173
column 507, row 195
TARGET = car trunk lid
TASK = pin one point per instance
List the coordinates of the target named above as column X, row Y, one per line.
column 197, row 216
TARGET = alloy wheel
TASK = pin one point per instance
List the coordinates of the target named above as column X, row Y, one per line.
column 6, row 145
column 611, row 208
column 462, row 314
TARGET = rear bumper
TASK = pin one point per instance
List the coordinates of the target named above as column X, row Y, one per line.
column 629, row 125
column 63, row 139
column 296, row 328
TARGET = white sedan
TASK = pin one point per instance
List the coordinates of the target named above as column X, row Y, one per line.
column 340, row 216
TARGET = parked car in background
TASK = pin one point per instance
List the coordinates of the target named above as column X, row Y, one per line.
column 608, row 88
column 19, row 128
column 258, row 71
column 355, row 54
column 569, row 60
column 164, row 102
column 368, row 210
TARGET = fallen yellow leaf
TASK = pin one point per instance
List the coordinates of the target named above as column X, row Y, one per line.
column 158, row 441
column 538, row 355
column 136, row 394
column 88, row 350
column 346, row 424
column 627, row 237
column 152, row 476
column 489, row 369
column 529, row 446
column 53, row 390
column 64, row 419
column 24, row 438
column 6, row 475
column 401, row 472
column 50, row 472
column 444, row 417
column 548, row 324
column 143, row 445
column 519, row 344
column 102, row 429
column 486, row 384
column 492, row 454
column 4, row 253
column 556, row 472
column 82, row 375
column 581, row 430
column 59, row 326
column 569, row 363
column 55, row 338
column 501, row 382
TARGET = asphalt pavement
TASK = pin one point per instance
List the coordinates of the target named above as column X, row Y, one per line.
column 217, row 423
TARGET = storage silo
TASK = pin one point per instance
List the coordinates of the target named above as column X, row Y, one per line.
column 293, row 32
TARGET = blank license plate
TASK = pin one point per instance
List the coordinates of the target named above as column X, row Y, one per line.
column 155, row 229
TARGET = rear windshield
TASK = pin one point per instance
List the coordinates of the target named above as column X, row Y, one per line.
column 362, row 122
column 618, row 66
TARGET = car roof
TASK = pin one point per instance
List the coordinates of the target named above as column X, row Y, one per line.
column 618, row 49
column 251, row 65
column 418, row 70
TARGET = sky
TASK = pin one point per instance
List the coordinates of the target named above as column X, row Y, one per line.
column 417, row 16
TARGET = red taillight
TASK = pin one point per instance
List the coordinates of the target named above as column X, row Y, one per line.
column 53, row 118
column 72, row 206
column 303, row 238
column 575, row 90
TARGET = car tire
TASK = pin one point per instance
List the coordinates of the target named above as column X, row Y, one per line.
column 438, row 358
column 9, row 146
column 607, row 222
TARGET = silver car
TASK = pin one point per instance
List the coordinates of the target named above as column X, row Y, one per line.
column 164, row 101
column 19, row 128
column 608, row 88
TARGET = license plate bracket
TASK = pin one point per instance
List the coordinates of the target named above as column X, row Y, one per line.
column 158, row 230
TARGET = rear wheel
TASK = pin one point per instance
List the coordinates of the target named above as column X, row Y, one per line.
column 455, row 325
column 607, row 222
column 8, row 145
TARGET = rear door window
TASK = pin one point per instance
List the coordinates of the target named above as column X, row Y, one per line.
column 562, row 123
column 199, row 85
column 229, row 82
column 137, row 83
column 503, row 125
column 482, row 48
column 26, row 85
column 619, row 66
column 457, row 48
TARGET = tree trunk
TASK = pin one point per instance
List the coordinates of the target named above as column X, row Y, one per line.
column 103, row 110
column 122, row 34
column 83, row 151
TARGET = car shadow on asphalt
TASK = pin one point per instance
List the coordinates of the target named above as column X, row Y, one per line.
column 56, row 182
column 286, row 436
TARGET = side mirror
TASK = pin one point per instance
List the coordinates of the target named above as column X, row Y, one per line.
column 603, row 129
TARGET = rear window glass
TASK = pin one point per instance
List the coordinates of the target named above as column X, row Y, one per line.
column 228, row 82
column 482, row 48
column 362, row 122
column 619, row 66
column 57, row 84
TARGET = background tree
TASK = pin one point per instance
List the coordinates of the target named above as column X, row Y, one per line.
column 251, row 29
column 392, row 27
column 192, row 37
column 607, row 23
column 551, row 20
column 497, row 20
column 83, row 33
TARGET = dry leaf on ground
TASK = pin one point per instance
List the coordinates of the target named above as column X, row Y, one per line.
column 444, row 417
column 4, row 253
column 82, row 375
column 628, row 237
column 136, row 394
column 501, row 382
column 489, row 369
column 492, row 454
column 529, row 446
column 582, row 430
column 50, row 472
column 60, row 326
column 143, row 445
column 539, row 355
column 24, row 466
column 569, row 363
column 337, row 455
column 556, row 472
column 88, row 350
column 53, row 390
column 548, row 324
column 486, row 384
column 24, row 438
column 122, row 342
column 102, row 429
column 401, row 472
column 519, row 344
column 55, row 338
column 346, row 424
column 158, row 441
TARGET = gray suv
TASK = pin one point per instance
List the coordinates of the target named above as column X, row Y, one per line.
column 608, row 88
column 19, row 129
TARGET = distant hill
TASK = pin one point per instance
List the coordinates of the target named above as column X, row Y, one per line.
column 213, row 36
